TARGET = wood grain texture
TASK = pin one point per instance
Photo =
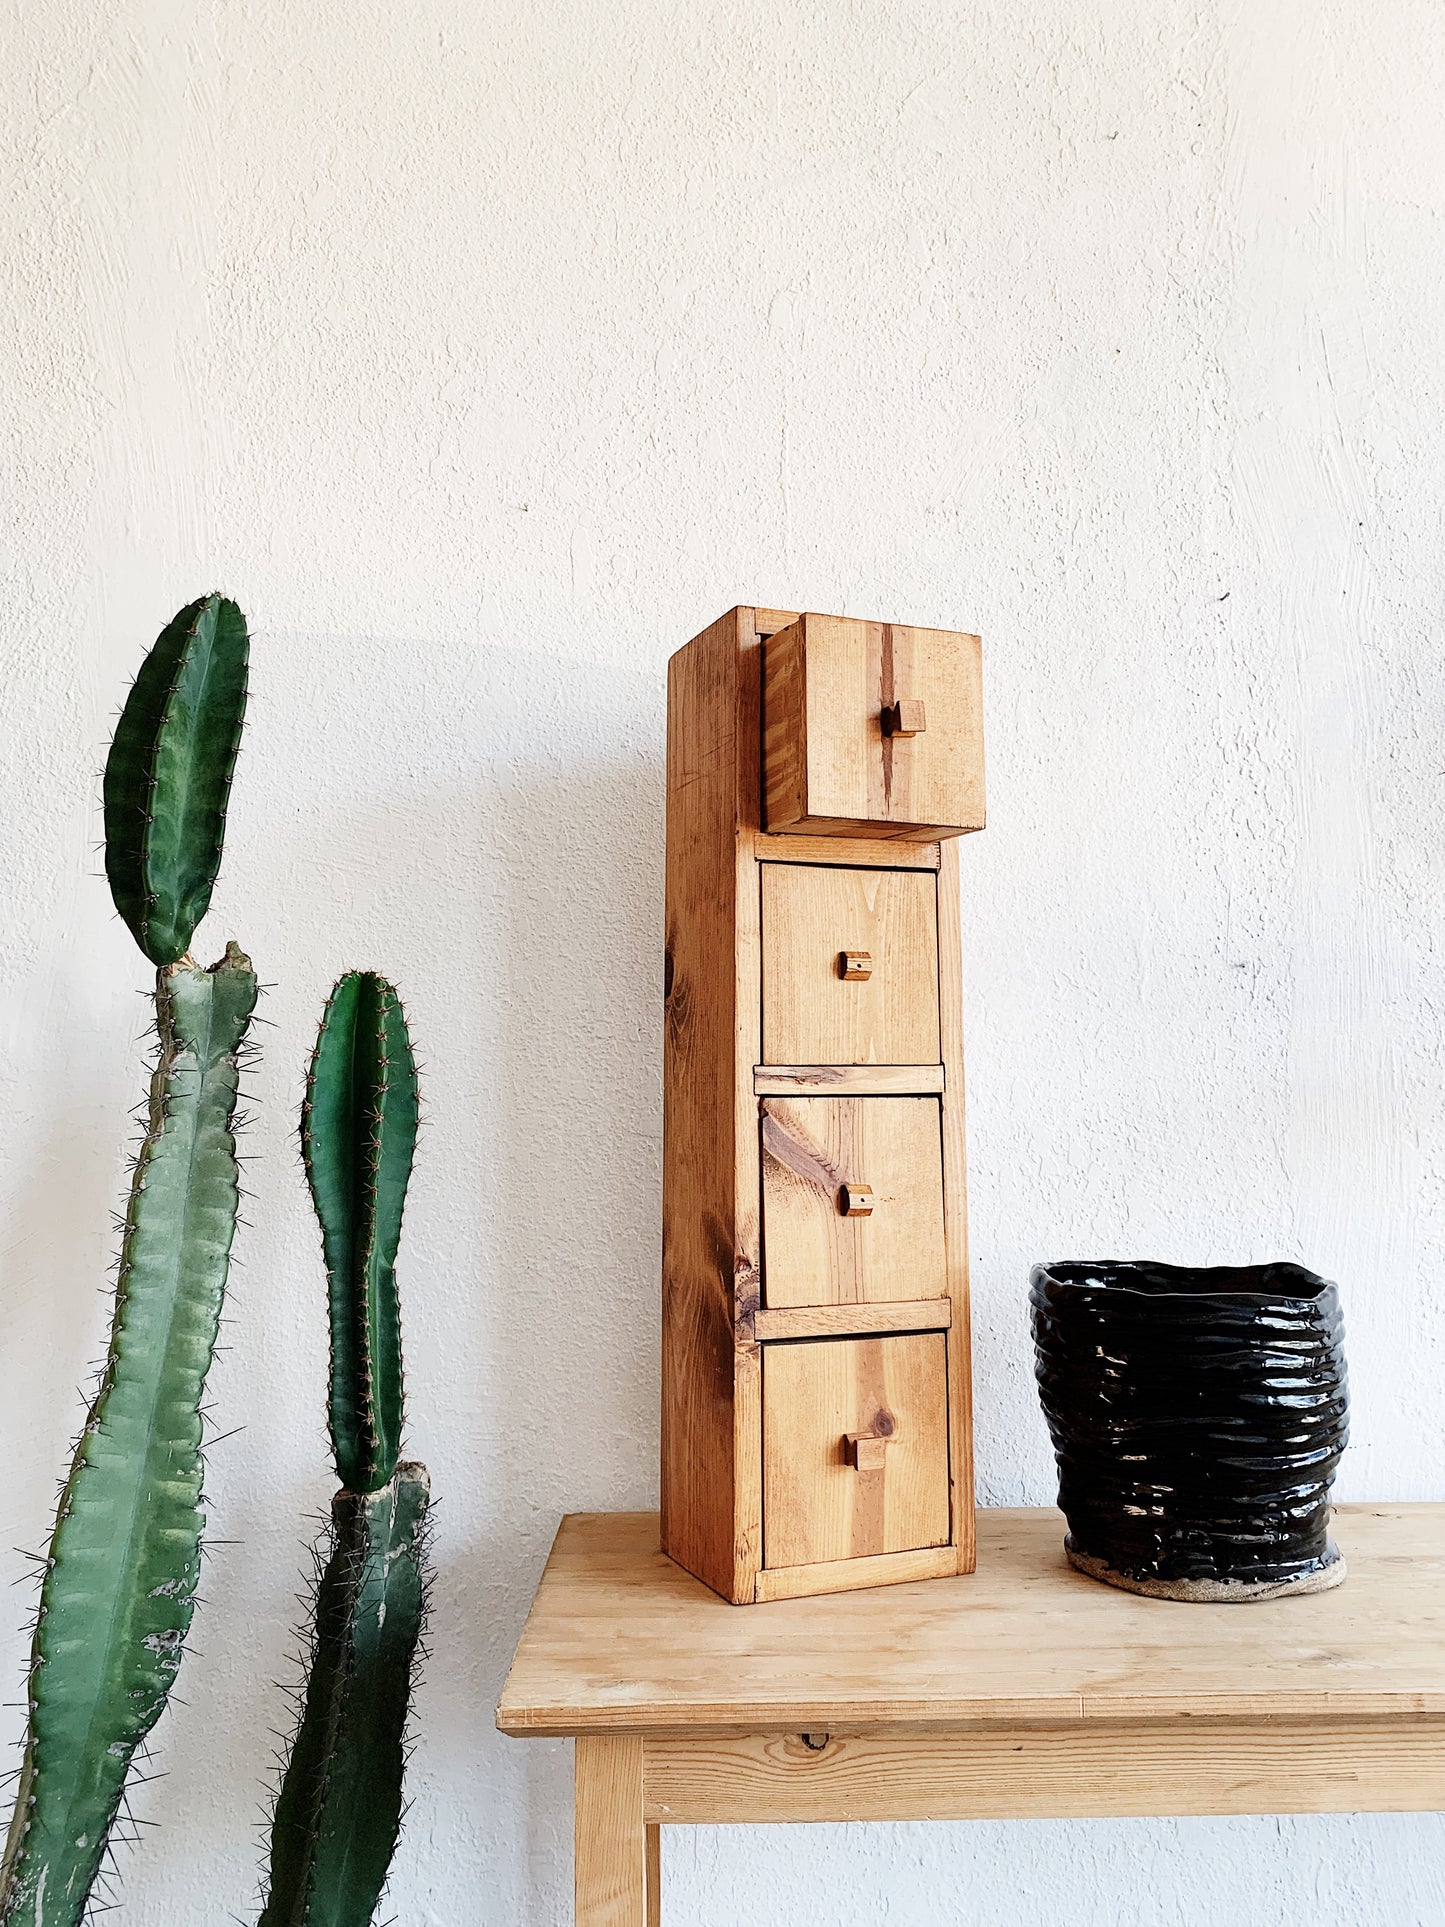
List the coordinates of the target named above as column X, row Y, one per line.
column 1087, row 1772
column 816, row 1506
column 620, row 1639
column 830, row 767
column 654, row 1876
column 710, row 1212
column 814, row 1147
column 609, row 1846
column 746, row 1174
column 852, row 1575
column 865, row 1451
column 863, row 852
column 861, row 1080
column 905, row 718
column 851, row 1321
column 767, row 622
column 785, row 729
column 810, row 1015
column 955, row 1204
column 747, row 1465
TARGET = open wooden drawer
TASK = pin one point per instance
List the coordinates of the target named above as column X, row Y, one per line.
column 855, row 1448
column 872, row 728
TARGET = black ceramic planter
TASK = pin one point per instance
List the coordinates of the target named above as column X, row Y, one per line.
column 1197, row 1417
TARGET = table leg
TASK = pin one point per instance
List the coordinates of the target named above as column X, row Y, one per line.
column 654, row 1877
column 611, row 1847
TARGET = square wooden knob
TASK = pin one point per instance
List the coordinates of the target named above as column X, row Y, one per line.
column 855, row 1200
column 864, row 1451
column 904, row 718
column 855, row 966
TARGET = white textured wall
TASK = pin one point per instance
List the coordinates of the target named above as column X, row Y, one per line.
column 485, row 353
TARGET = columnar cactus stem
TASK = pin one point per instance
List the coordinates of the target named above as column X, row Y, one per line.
column 339, row 1806
column 120, row 1580
column 358, row 1132
column 120, row 1583
column 339, row 1809
column 168, row 776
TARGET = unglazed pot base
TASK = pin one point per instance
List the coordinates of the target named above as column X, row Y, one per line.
column 1214, row 1592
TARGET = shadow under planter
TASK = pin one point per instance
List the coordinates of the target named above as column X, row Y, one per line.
column 1198, row 1416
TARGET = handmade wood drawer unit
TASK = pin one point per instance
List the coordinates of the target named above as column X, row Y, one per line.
column 816, row 1410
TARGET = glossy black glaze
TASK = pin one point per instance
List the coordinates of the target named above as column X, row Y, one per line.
column 1197, row 1415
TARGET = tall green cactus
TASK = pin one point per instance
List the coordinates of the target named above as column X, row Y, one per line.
column 339, row 1807
column 119, row 1584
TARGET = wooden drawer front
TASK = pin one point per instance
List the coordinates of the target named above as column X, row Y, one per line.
column 869, row 727
column 816, row 1150
column 812, row 919
column 818, row 1506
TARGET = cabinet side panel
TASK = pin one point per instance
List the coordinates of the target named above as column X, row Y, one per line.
column 955, row 1204
column 699, row 1233
column 747, row 964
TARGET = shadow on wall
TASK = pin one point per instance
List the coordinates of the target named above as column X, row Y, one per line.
column 578, row 1231
column 523, row 920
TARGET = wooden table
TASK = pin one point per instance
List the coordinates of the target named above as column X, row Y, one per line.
column 1023, row 1690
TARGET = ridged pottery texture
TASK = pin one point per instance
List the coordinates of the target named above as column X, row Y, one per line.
column 1198, row 1417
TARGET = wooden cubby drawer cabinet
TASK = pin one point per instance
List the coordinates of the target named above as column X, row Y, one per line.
column 852, row 1200
column 850, row 965
column 855, row 1449
column 872, row 728
column 817, row 1429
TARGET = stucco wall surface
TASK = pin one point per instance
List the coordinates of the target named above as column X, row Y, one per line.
column 485, row 354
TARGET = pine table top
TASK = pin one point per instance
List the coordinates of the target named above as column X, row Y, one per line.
column 619, row 1640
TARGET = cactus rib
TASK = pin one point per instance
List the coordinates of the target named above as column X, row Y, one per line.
column 339, row 1808
column 168, row 776
column 358, row 1132
column 120, row 1582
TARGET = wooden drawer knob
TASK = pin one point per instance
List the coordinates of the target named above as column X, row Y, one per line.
column 855, row 1200
column 864, row 1451
column 855, row 966
column 904, row 718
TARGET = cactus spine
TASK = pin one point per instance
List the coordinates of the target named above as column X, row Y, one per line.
column 339, row 1807
column 119, row 1583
